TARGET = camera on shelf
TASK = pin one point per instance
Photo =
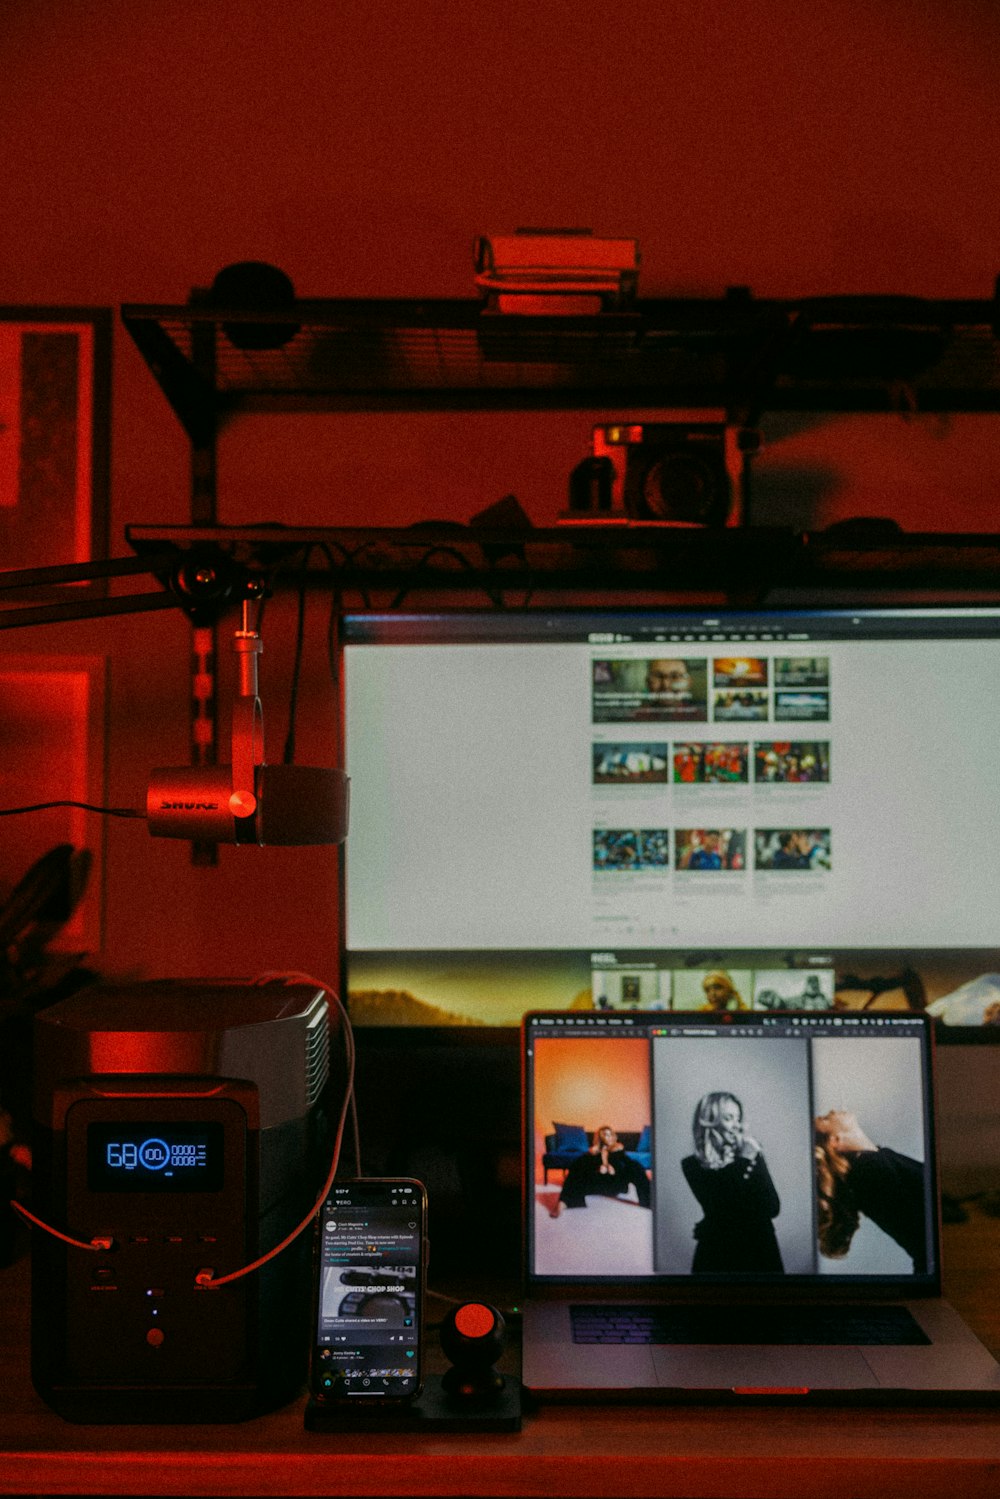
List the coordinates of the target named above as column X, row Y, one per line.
column 690, row 471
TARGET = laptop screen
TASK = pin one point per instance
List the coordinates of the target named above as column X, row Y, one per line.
column 722, row 1149
column 626, row 810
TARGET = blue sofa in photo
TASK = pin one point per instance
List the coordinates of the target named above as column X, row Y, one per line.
column 567, row 1141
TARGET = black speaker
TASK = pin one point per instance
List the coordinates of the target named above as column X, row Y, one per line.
column 183, row 1127
column 256, row 286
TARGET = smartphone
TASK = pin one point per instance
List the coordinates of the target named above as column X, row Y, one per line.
column 370, row 1265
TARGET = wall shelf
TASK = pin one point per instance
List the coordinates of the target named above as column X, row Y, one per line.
column 747, row 562
column 736, row 352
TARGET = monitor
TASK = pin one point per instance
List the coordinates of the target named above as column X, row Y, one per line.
column 672, row 809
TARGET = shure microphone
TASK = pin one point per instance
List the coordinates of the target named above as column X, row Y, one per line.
column 296, row 805
column 249, row 801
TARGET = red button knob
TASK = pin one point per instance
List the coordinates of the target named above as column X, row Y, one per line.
column 474, row 1320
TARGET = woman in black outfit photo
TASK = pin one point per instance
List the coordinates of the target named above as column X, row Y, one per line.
column 729, row 1177
column 606, row 1170
column 856, row 1177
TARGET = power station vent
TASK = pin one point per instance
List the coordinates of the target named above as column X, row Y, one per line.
column 317, row 1055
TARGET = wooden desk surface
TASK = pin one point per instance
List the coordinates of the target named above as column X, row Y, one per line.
column 695, row 1452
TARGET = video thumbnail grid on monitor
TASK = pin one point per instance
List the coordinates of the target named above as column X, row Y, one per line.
column 807, row 787
column 717, row 692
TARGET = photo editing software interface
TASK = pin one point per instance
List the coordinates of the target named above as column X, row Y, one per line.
column 770, row 1146
column 650, row 810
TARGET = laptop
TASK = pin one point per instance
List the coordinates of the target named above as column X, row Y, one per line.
column 736, row 1206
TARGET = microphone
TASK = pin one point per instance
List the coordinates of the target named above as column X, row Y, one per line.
column 294, row 805
column 249, row 801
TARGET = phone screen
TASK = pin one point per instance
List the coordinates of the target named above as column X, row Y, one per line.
column 369, row 1291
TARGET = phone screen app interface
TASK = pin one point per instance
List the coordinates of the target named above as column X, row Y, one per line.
column 368, row 1333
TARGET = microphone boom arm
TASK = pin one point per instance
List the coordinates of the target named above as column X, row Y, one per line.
column 247, row 732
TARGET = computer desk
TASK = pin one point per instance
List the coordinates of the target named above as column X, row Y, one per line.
column 698, row 1452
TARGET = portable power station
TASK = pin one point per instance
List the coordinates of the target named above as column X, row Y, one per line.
column 185, row 1125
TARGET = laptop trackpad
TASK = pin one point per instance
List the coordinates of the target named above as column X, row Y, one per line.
column 755, row 1368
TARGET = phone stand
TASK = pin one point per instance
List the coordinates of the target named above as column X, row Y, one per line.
column 434, row 1409
column 471, row 1396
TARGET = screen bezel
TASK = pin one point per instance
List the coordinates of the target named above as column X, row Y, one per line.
column 699, row 1288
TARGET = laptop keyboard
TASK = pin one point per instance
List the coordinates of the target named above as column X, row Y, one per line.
column 873, row 1326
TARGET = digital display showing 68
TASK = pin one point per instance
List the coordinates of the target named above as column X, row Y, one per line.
column 155, row 1157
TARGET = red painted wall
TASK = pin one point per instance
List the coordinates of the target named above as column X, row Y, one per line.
column 361, row 146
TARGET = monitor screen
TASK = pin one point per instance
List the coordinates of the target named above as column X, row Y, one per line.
column 671, row 810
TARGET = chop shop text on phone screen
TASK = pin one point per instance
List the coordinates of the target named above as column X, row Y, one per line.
column 368, row 1333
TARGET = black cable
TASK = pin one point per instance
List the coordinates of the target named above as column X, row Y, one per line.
column 333, row 649
column 283, row 564
column 432, row 552
column 288, row 757
column 300, row 558
column 87, row 807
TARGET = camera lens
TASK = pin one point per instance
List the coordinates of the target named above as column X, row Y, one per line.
column 681, row 486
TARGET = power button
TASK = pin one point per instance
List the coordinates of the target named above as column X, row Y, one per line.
column 154, row 1337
